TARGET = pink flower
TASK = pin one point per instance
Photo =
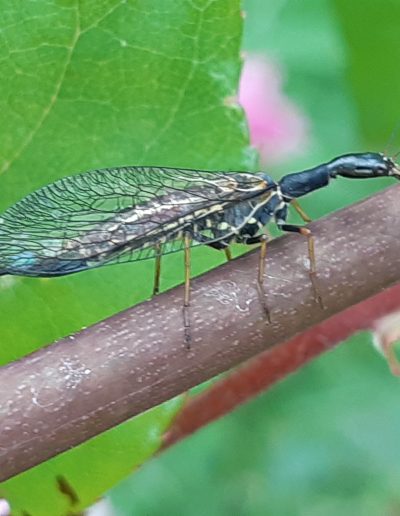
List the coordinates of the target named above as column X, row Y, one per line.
column 277, row 126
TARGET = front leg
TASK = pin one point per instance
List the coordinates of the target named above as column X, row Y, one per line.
column 300, row 211
column 311, row 254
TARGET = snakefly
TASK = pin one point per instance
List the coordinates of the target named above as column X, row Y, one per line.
column 117, row 215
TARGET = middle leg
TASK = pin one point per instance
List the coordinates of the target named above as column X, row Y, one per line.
column 261, row 239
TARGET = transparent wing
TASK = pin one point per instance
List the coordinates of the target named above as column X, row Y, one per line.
column 112, row 215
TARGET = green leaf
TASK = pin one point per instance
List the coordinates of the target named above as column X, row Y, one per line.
column 371, row 31
column 96, row 84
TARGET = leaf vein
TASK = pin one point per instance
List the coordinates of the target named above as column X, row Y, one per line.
column 47, row 110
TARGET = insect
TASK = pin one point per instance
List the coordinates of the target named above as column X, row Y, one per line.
column 117, row 215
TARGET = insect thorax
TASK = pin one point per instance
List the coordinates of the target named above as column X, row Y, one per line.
column 236, row 223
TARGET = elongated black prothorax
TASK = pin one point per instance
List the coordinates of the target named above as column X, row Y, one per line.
column 123, row 214
column 356, row 166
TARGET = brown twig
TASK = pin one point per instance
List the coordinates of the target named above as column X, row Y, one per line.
column 61, row 395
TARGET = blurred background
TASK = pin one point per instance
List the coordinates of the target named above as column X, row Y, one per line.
column 95, row 86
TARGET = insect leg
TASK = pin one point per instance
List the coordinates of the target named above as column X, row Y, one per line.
column 186, row 300
column 217, row 245
column 311, row 254
column 296, row 205
column 260, row 278
column 228, row 254
column 157, row 270
column 261, row 239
